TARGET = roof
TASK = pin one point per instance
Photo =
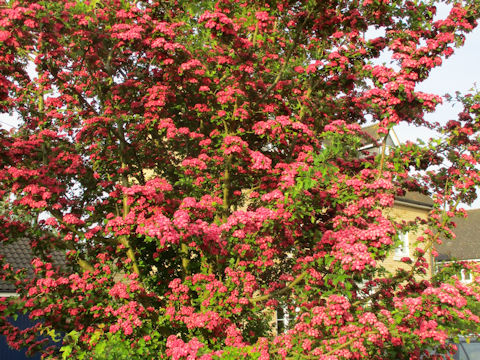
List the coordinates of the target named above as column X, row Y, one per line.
column 372, row 131
column 415, row 198
column 411, row 198
column 466, row 245
column 19, row 255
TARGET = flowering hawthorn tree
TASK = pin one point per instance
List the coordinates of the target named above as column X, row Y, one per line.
column 198, row 164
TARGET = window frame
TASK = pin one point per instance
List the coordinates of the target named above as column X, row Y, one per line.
column 466, row 276
column 402, row 250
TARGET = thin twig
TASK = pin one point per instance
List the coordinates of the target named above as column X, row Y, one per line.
column 289, row 286
column 288, row 56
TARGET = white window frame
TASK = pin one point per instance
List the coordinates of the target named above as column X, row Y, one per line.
column 9, row 294
column 402, row 250
column 465, row 276
column 286, row 319
column 283, row 320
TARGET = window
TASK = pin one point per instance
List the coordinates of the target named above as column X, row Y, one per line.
column 403, row 249
column 456, row 269
column 465, row 276
column 285, row 318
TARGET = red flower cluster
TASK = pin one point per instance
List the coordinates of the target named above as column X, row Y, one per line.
column 183, row 170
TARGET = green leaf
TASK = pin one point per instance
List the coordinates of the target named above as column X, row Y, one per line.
column 66, row 351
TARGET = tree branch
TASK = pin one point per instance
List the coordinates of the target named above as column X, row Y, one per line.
column 288, row 56
column 348, row 343
column 288, row 287
column 331, row 352
column 85, row 265
column 382, row 158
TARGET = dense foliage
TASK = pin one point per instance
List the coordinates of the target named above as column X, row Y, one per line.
column 197, row 165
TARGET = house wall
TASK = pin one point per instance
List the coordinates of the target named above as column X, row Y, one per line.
column 7, row 353
column 403, row 212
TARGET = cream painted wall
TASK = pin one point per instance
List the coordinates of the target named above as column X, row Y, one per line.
column 399, row 213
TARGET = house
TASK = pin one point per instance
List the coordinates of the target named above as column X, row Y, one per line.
column 372, row 142
column 408, row 208
column 19, row 255
column 466, row 245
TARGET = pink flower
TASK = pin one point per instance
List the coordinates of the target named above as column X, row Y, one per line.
column 4, row 35
column 51, row 221
column 260, row 161
column 73, row 219
column 261, row 15
column 299, row 69
column 119, row 290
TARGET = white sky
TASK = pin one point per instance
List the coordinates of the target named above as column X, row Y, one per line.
column 459, row 72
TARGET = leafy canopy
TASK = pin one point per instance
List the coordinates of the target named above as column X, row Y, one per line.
column 182, row 169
